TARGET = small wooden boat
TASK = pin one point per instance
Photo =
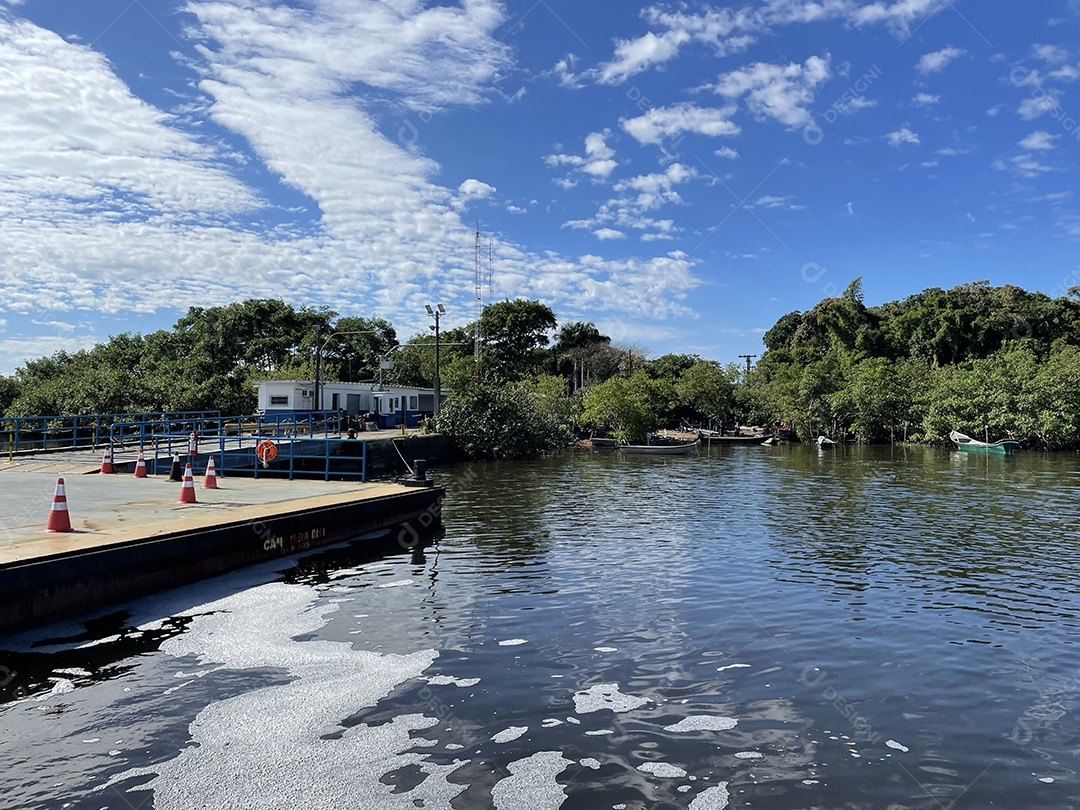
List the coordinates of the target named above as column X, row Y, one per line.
column 1005, row 447
column 658, row 449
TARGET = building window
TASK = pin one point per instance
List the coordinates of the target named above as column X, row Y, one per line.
column 412, row 403
column 279, row 400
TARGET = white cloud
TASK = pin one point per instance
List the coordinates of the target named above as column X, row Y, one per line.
column 851, row 208
column 1039, row 140
column 1038, row 105
column 925, row 99
column 112, row 205
column 598, row 160
column 726, row 152
column 769, row 201
column 635, row 55
column 660, row 123
column 608, row 233
column 1052, row 54
column 475, row 189
column 897, row 16
column 1025, row 165
column 563, row 70
column 1065, row 73
column 952, row 151
column 938, row 60
column 715, row 27
column 516, row 209
column 902, row 135
column 780, row 92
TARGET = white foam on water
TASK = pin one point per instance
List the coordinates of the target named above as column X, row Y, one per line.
column 98, row 641
column 599, row 732
column 396, row 583
column 589, row 762
column 510, row 734
column 703, row 722
column 454, row 747
column 573, row 720
column 447, row 680
column 513, row 642
column 897, row 746
column 606, row 649
column 532, row 783
column 810, row 782
column 663, row 769
column 264, row 749
column 77, row 672
column 714, row 798
column 61, row 686
column 1047, row 779
column 731, row 666
column 684, row 788
column 748, row 755
column 551, row 722
column 606, row 696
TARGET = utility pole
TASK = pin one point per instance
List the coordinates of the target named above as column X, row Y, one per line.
column 436, row 313
column 748, row 358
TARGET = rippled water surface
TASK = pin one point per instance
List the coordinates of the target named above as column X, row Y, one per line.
column 749, row 627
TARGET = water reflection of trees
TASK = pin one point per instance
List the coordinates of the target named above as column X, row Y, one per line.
column 939, row 522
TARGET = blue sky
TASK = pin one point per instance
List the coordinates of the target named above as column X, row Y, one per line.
column 681, row 174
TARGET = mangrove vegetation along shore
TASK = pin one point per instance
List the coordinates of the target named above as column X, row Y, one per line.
column 985, row 360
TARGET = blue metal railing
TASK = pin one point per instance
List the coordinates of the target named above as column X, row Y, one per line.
column 271, row 425
column 23, row 433
column 304, row 456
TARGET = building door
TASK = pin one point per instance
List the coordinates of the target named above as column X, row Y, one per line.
column 352, row 404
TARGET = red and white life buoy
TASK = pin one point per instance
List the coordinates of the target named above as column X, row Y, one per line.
column 266, row 451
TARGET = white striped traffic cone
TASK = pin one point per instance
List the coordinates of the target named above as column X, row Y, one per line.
column 59, row 520
column 106, row 461
column 210, row 479
column 187, row 491
column 140, row 466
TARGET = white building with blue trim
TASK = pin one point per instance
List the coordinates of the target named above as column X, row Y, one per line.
column 389, row 405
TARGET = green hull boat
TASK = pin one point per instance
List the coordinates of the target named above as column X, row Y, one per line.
column 1005, row 447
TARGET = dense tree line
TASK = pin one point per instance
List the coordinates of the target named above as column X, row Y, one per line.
column 982, row 359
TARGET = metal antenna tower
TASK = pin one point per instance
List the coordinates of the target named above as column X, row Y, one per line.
column 479, row 307
column 748, row 358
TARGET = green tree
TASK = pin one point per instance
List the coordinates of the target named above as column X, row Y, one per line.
column 626, row 408
column 489, row 419
column 514, row 332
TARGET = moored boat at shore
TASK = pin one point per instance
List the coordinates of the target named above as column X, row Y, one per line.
column 1004, row 447
column 658, row 449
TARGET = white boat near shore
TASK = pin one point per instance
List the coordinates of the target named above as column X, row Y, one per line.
column 658, row 449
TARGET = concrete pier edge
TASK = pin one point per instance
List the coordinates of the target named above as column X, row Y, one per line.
column 53, row 586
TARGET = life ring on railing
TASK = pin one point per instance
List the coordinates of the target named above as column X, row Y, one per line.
column 266, row 451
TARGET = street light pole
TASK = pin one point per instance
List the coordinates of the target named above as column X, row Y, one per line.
column 318, row 359
column 436, row 313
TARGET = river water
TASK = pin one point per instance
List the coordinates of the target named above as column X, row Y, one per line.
column 748, row 627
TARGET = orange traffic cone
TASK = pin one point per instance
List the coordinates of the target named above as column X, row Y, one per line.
column 59, row 520
column 187, row 491
column 210, row 479
column 140, row 466
column 106, row 460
